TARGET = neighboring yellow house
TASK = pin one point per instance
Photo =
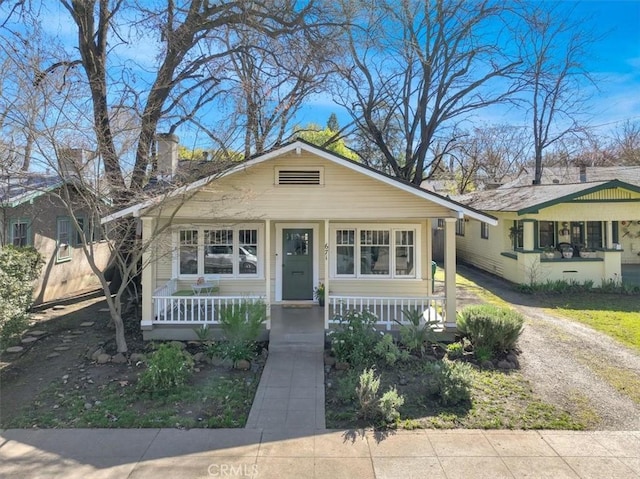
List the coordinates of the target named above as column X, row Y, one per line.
column 278, row 225
column 31, row 214
column 581, row 232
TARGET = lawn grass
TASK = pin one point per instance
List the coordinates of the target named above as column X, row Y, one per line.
column 615, row 315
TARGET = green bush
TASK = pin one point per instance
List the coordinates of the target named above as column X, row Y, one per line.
column 418, row 334
column 346, row 386
column 449, row 381
column 495, row 328
column 455, row 350
column 372, row 407
column 387, row 350
column 168, row 367
column 241, row 325
column 355, row 338
column 19, row 268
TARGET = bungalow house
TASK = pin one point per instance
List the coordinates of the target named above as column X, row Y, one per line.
column 277, row 225
column 32, row 214
column 584, row 231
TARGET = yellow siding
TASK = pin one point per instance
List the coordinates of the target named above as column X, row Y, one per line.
column 345, row 195
column 480, row 252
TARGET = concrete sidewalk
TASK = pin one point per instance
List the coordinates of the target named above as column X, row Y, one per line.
column 244, row 453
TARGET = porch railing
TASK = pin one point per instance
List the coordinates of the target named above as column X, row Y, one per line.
column 166, row 290
column 194, row 309
column 388, row 309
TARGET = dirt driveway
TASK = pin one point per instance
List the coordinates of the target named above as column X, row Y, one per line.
column 572, row 365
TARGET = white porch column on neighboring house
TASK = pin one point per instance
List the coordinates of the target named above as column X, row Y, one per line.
column 326, row 273
column 609, row 227
column 149, row 259
column 267, row 269
column 450, row 270
column 528, row 243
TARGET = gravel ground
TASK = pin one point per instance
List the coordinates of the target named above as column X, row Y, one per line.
column 561, row 359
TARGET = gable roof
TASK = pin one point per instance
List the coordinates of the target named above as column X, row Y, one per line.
column 24, row 187
column 532, row 198
column 297, row 146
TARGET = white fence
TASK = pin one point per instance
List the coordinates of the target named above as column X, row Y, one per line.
column 387, row 310
column 194, row 309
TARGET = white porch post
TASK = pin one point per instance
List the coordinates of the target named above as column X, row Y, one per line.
column 527, row 235
column 450, row 271
column 609, row 226
column 148, row 273
column 267, row 269
column 326, row 273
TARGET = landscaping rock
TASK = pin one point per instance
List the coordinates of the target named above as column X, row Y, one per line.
column 242, row 365
column 14, row 349
column 198, row 357
column 37, row 333
column 329, row 361
column 62, row 348
column 513, row 359
column 28, row 339
column 103, row 358
column 402, row 381
column 504, row 364
column 217, row 361
column 88, row 405
column 340, row 366
column 486, row 364
column 119, row 358
column 136, row 357
column 97, row 352
column 87, row 324
column 327, row 369
column 59, row 307
column 53, row 355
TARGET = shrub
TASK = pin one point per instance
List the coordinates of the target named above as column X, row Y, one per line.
column 346, row 386
column 455, row 350
column 449, row 381
column 497, row 329
column 389, row 404
column 367, row 392
column 241, row 325
column 387, row 350
column 418, row 334
column 355, row 338
column 168, row 367
column 19, row 268
column 370, row 405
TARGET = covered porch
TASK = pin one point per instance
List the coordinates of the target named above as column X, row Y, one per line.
column 173, row 309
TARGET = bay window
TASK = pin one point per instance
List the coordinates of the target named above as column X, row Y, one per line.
column 379, row 252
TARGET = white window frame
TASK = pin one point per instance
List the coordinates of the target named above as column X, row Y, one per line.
column 392, row 229
column 259, row 274
column 68, row 244
column 484, row 230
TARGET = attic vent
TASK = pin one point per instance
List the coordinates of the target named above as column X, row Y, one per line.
column 300, row 177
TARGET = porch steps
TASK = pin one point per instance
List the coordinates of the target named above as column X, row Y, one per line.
column 311, row 342
column 296, row 329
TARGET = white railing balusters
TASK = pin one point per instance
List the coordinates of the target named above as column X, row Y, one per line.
column 387, row 309
column 193, row 309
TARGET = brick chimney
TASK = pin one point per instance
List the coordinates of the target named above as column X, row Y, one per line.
column 167, row 158
column 77, row 163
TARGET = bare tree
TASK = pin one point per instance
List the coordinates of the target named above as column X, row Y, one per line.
column 416, row 67
column 555, row 44
column 626, row 144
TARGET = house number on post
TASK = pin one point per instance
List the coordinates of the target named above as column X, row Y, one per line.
column 326, row 250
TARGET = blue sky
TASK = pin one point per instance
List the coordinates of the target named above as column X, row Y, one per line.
column 614, row 63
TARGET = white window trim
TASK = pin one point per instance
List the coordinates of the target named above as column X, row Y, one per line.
column 236, row 238
column 392, row 228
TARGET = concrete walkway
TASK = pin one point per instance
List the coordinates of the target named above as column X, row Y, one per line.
column 253, row 453
column 290, row 396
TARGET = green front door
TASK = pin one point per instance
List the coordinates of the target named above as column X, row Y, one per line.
column 297, row 264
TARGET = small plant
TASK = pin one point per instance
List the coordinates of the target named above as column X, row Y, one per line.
column 495, row 328
column 355, row 338
column 367, row 393
column 418, row 334
column 455, row 350
column 241, row 326
column 387, row 350
column 318, row 293
column 168, row 368
column 384, row 408
column 203, row 332
column 346, row 386
column 389, row 404
column 449, row 381
column 483, row 353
